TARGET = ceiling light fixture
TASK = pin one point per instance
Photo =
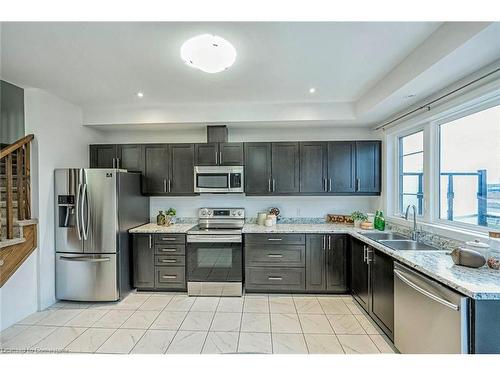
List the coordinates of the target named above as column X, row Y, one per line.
column 312, row 90
column 208, row 53
column 140, row 94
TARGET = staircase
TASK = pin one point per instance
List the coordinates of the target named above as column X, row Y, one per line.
column 17, row 228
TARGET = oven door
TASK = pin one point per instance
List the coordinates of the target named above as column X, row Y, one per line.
column 216, row 258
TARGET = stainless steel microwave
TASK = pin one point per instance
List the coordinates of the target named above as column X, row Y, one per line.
column 218, row 179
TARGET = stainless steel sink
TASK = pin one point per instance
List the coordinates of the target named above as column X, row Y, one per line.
column 384, row 236
column 408, row 245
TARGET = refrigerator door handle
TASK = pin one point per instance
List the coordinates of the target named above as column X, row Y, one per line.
column 84, row 259
column 78, row 224
column 85, row 202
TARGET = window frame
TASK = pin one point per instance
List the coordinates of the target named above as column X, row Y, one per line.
column 430, row 125
column 399, row 157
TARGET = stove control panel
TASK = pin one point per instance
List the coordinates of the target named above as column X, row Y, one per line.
column 221, row 213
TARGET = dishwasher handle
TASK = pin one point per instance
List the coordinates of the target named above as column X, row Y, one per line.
column 426, row 292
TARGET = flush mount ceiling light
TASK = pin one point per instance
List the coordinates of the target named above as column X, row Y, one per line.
column 140, row 94
column 312, row 90
column 208, row 53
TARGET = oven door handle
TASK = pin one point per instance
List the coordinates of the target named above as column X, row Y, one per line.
column 200, row 238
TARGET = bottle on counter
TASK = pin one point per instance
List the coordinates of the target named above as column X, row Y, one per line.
column 161, row 218
column 379, row 221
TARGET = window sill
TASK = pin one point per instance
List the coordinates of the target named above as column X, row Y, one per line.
column 460, row 234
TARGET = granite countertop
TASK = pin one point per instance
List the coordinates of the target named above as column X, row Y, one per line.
column 478, row 283
column 155, row 228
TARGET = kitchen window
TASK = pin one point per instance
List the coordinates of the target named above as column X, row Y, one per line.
column 469, row 169
column 411, row 172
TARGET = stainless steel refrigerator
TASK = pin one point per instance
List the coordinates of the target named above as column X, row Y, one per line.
column 94, row 209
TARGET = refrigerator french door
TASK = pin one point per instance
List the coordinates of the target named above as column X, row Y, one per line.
column 94, row 209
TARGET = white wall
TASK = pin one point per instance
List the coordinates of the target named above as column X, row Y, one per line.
column 60, row 141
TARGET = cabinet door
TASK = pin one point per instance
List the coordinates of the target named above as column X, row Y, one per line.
column 102, row 156
column 231, row 153
column 181, row 157
column 206, row 153
column 336, row 263
column 131, row 157
column 143, row 261
column 285, row 167
column 341, row 167
column 382, row 290
column 313, row 167
column 258, row 168
column 359, row 273
column 315, row 262
column 368, row 166
column 156, row 169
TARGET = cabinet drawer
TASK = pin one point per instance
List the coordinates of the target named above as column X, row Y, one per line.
column 161, row 239
column 170, row 249
column 275, row 238
column 170, row 277
column 170, row 260
column 275, row 278
column 278, row 255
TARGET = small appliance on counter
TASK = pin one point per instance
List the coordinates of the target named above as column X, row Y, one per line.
column 215, row 253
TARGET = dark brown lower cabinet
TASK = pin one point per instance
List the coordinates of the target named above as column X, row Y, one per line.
column 372, row 284
column 326, row 264
column 159, row 262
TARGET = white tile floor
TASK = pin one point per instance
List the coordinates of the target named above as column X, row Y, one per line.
column 178, row 324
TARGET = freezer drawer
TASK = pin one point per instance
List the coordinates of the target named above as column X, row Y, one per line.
column 428, row 317
column 87, row 277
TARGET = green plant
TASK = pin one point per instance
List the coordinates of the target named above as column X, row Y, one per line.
column 171, row 212
column 357, row 215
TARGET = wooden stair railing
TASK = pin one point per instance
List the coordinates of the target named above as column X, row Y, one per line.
column 21, row 150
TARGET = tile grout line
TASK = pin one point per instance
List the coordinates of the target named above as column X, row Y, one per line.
column 210, row 326
column 180, row 325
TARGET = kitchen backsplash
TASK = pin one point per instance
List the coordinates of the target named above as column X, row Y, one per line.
column 313, row 208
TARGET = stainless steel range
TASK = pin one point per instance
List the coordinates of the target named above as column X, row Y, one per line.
column 215, row 253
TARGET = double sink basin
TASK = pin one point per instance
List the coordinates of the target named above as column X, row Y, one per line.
column 399, row 242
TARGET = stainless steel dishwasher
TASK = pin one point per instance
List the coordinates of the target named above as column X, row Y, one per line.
column 428, row 317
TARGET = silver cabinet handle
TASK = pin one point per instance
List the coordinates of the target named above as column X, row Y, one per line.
column 365, row 251
column 274, row 185
column 113, row 163
column 274, row 239
column 329, row 184
column 164, row 185
column 168, row 261
column 425, row 292
column 358, row 183
column 117, row 163
column 169, row 185
column 150, row 241
column 275, row 255
column 168, row 250
column 278, row 278
column 169, row 277
column 85, row 259
column 269, row 185
column 324, row 242
column 168, row 238
column 329, row 242
column 220, row 157
column 216, row 161
column 324, row 185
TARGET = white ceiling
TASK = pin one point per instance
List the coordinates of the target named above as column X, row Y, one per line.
column 353, row 66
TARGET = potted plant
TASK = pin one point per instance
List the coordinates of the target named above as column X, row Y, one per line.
column 170, row 216
column 358, row 218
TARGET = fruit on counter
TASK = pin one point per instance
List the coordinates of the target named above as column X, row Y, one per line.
column 494, row 263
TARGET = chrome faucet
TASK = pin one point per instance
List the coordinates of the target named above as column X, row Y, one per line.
column 414, row 232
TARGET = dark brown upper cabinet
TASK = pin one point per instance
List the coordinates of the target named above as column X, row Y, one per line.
column 223, row 153
column 341, row 167
column 271, row 168
column 313, row 167
column 125, row 156
column 169, row 169
column 368, row 166
column 103, row 156
column 258, row 168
